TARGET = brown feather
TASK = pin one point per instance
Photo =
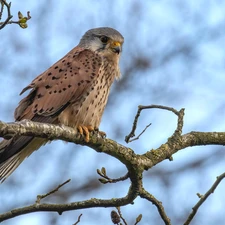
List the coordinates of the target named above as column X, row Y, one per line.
column 66, row 80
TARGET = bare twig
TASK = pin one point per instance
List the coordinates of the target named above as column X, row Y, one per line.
column 9, row 16
column 203, row 198
column 121, row 216
column 158, row 204
column 134, row 139
column 107, row 179
column 2, row 8
column 39, row 197
column 180, row 123
column 22, row 22
column 141, row 107
column 78, row 220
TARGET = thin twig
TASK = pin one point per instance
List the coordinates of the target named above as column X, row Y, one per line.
column 180, row 123
column 121, row 216
column 176, row 136
column 107, row 179
column 8, row 5
column 22, row 19
column 140, row 108
column 2, row 8
column 39, row 197
column 126, row 176
column 134, row 139
column 158, row 204
column 78, row 220
column 203, row 198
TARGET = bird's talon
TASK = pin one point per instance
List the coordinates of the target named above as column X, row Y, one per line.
column 80, row 130
column 90, row 128
column 85, row 130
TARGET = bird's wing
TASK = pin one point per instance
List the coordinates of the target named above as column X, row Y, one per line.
column 64, row 82
column 51, row 92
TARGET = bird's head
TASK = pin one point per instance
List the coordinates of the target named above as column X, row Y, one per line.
column 104, row 40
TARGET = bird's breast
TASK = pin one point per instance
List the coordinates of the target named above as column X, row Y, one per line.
column 88, row 109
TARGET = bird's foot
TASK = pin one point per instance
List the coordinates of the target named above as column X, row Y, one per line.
column 85, row 130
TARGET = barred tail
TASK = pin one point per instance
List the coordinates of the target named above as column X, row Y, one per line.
column 7, row 167
column 13, row 152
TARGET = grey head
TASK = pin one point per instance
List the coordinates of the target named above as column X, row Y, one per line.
column 104, row 40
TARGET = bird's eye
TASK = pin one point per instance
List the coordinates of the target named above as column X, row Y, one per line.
column 104, row 39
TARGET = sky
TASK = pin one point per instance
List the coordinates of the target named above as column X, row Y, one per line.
column 173, row 55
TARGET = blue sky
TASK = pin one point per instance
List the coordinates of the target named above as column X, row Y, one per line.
column 183, row 44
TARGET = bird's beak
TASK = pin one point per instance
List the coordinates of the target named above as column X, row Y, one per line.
column 116, row 47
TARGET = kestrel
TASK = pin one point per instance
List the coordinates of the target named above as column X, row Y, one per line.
column 73, row 92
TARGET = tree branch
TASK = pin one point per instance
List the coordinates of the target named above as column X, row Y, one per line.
column 60, row 208
column 110, row 147
column 180, row 115
column 203, row 198
column 158, row 204
column 39, row 197
column 8, row 6
column 22, row 20
column 106, row 179
column 165, row 151
column 78, row 220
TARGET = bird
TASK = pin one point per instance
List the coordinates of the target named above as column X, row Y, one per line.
column 73, row 92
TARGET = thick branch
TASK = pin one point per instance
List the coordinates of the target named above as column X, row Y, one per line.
column 165, row 151
column 108, row 146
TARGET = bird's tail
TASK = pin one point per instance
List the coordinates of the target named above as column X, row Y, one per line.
column 7, row 167
column 13, row 152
